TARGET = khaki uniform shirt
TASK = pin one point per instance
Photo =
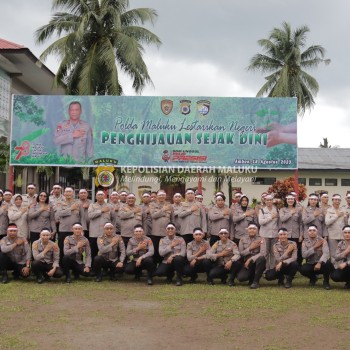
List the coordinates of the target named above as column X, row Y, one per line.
column 340, row 255
column 38, row 219
column 78, row 148
column 67, row 216
column 241, row 221
column 165, row 249
column 98, row 218
column 113, row 253
column 217, row 220
column 193, row 247
column 4, row 220
column 335, row 223
column 219, row 247
column 292, row 222
column 19, row 218
column 280, row 253
column 50, row 257
column 308, row 218
column 255, row 253
column 268, row 226
column 128, row 219
column 144, row 253
column 190, row 220
column 161, row 215
column 19, row 254
column 314, row 256
column 70, row 248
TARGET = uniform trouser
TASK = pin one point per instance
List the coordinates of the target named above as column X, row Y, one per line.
column 201, row 266
column 156, row 257
column 126, row 241
column 343, row 275
column 86, row 234
column 308, row 270
column 94, row 248
column 177, row 265
column 270, row 256
column 69, row 263
column 33, row 236
column 146, row 264
column 61, row 237
column 213, row 239
column 7, row 264
column 40, row 268
column 299, row 244
column 254, row 270
column 332, row 244
column 100, row 262
column 219, row 271
column 289, row 270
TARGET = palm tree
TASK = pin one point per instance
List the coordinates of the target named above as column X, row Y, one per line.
column 97, row 40
column 285, row 59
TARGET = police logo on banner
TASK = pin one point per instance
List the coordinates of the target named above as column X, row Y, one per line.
column 166, row 106
column 185, row 107
column 104, row 176
column 203, row 107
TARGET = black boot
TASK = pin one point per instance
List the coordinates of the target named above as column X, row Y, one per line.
column 98, row 277
column 5, row 277
column 288, row 282
column 68, row 278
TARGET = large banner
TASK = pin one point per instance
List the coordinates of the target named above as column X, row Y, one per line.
column 154, row 131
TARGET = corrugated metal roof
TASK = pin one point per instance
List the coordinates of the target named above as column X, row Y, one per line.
column 5, row 44
column 324, row 158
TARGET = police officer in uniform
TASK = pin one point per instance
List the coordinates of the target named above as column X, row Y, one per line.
column 74, row 136
column 198, row 252
column 111, row 253
column 252, row 249
column 46, row 257
column 316, row 252
column 140, row 252
column 15, row 254
column 286, row 253
column 75, row 247
column 173, row 250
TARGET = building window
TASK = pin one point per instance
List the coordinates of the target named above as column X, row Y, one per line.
column 345, row 182
column 302, row 181
column 315, row 181
column 331, row 182
column 264, row 181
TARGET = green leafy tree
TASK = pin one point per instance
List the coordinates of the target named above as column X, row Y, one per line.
column 97, row 40
column 286, row 58
column 4, row 155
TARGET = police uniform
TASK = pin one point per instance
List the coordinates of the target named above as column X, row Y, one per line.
column 219, row 271
column 189, row 219
column 257, row 257
column 66, row 217
column 289, row 263
column 161, row 214
column 178, row 252
column 14, row 258
column 79, row 148
column 314, row 256
column 44, row 262
column 146, row 255
column 342, row 275
column 218, row 220
column 4, row 220
column 74, row 257
column 109, row 255
column 98, row 219
column 39, row 219
column 202, row 261
column 128, row 219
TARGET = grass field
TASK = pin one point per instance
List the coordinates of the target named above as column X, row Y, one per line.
column 130, row 315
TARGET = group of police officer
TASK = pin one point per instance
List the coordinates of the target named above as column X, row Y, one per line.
column 177, row 240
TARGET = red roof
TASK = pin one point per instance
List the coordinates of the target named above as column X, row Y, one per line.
column 4, row 44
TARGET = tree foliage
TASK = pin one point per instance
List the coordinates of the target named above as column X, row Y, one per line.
column 282, row 187
column 286, row 58
column 97, row 39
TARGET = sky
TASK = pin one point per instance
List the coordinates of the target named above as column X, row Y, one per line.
column 207, row 45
